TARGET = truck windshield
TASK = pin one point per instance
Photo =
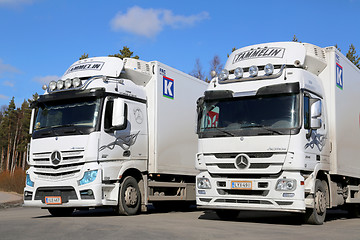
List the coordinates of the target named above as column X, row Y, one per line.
column 250, row 116
column 75, row 113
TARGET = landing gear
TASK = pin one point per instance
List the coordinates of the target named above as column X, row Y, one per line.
column 129, row 197
column 317, row 214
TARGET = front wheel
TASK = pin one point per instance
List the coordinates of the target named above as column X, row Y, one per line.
column 129, row 197
column 317, row 214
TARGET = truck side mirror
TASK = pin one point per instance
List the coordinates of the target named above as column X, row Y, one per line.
column 32, row 121
column 199, row 110
column 119, row 115
column 315, row 113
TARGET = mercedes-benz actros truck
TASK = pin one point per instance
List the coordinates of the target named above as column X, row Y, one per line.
column 114, row 133
column 279, row 130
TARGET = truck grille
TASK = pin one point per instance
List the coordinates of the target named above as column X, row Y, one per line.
column 70, row 164
column 258, row 163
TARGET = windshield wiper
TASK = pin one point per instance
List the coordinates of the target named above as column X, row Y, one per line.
column 272, row 130
column 224, row 131
column 263, row 127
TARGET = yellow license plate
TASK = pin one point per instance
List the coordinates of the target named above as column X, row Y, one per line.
column 241, row 185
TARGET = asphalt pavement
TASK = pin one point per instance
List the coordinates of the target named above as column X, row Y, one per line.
column 10, row 199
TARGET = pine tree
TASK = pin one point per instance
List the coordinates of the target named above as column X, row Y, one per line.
column 232, row 50
column 84, row 56
column 351, row 55
column 125, row 53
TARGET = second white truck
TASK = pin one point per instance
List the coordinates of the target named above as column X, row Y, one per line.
column 114, row 133
column 279, row 130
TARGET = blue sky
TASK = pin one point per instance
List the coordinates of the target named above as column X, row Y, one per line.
column 40, row 39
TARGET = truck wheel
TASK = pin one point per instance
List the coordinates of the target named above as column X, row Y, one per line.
column 317, row 214
column 61, row 212
column 225, row 214
column 129, row 197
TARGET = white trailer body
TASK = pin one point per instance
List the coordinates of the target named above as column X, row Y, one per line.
column 343, row 113
column 113, row 133
column 279, row 131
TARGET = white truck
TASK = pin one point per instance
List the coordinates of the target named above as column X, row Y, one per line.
column 113, row 133
column 279, row 130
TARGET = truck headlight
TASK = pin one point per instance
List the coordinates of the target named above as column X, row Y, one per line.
column 88, row 177
column 28, row 181
column 285, row 184
column 203, row 183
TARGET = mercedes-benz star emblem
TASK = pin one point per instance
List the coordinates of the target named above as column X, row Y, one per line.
column 55, row 157
column 242, row 161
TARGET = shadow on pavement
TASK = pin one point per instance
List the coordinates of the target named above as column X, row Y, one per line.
column 278, row 218
column 108, row 212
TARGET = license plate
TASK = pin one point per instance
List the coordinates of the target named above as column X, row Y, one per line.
column 53, row 200
column 241, row 185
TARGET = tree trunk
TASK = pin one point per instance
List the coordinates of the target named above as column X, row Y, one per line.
column 24, row 160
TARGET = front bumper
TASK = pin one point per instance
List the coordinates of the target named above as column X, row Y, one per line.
column 71, row 193
column 262, row 195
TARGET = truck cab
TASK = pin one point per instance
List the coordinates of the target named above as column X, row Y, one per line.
column 263, row 133
column 100, row 138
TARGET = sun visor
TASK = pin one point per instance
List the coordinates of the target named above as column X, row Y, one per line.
column 97, row 66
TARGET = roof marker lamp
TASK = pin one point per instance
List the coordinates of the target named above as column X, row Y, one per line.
column 238, row 72
column 269, row 69
column 52, row 85
column 68, row 83
column 60, row 84
column 224, row 74
column 253, row 71
column 76, row 82
column 44, row 87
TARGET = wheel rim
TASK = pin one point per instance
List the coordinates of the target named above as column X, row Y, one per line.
column 320, row 202
column 131, row 196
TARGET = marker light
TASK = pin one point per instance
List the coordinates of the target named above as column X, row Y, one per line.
column 88, row 177
column 238, row 72
column 269, row 69
column 76, row 82
column 52, row 85
column 60, row 84
column 68, row 83
column 44, row 87
column 253, row 71
column 224, row 74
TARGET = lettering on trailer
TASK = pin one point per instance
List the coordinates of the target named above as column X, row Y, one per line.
column 339, row 73
column 270, row 52
column 86, row 66
column 168, row 87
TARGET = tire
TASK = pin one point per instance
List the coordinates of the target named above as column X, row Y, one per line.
column 316, row 215
column 225, row 214
column 129, row 197
column 61, row 212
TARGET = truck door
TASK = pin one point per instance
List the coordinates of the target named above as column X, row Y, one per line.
column 315, row 130
column 123, row 139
